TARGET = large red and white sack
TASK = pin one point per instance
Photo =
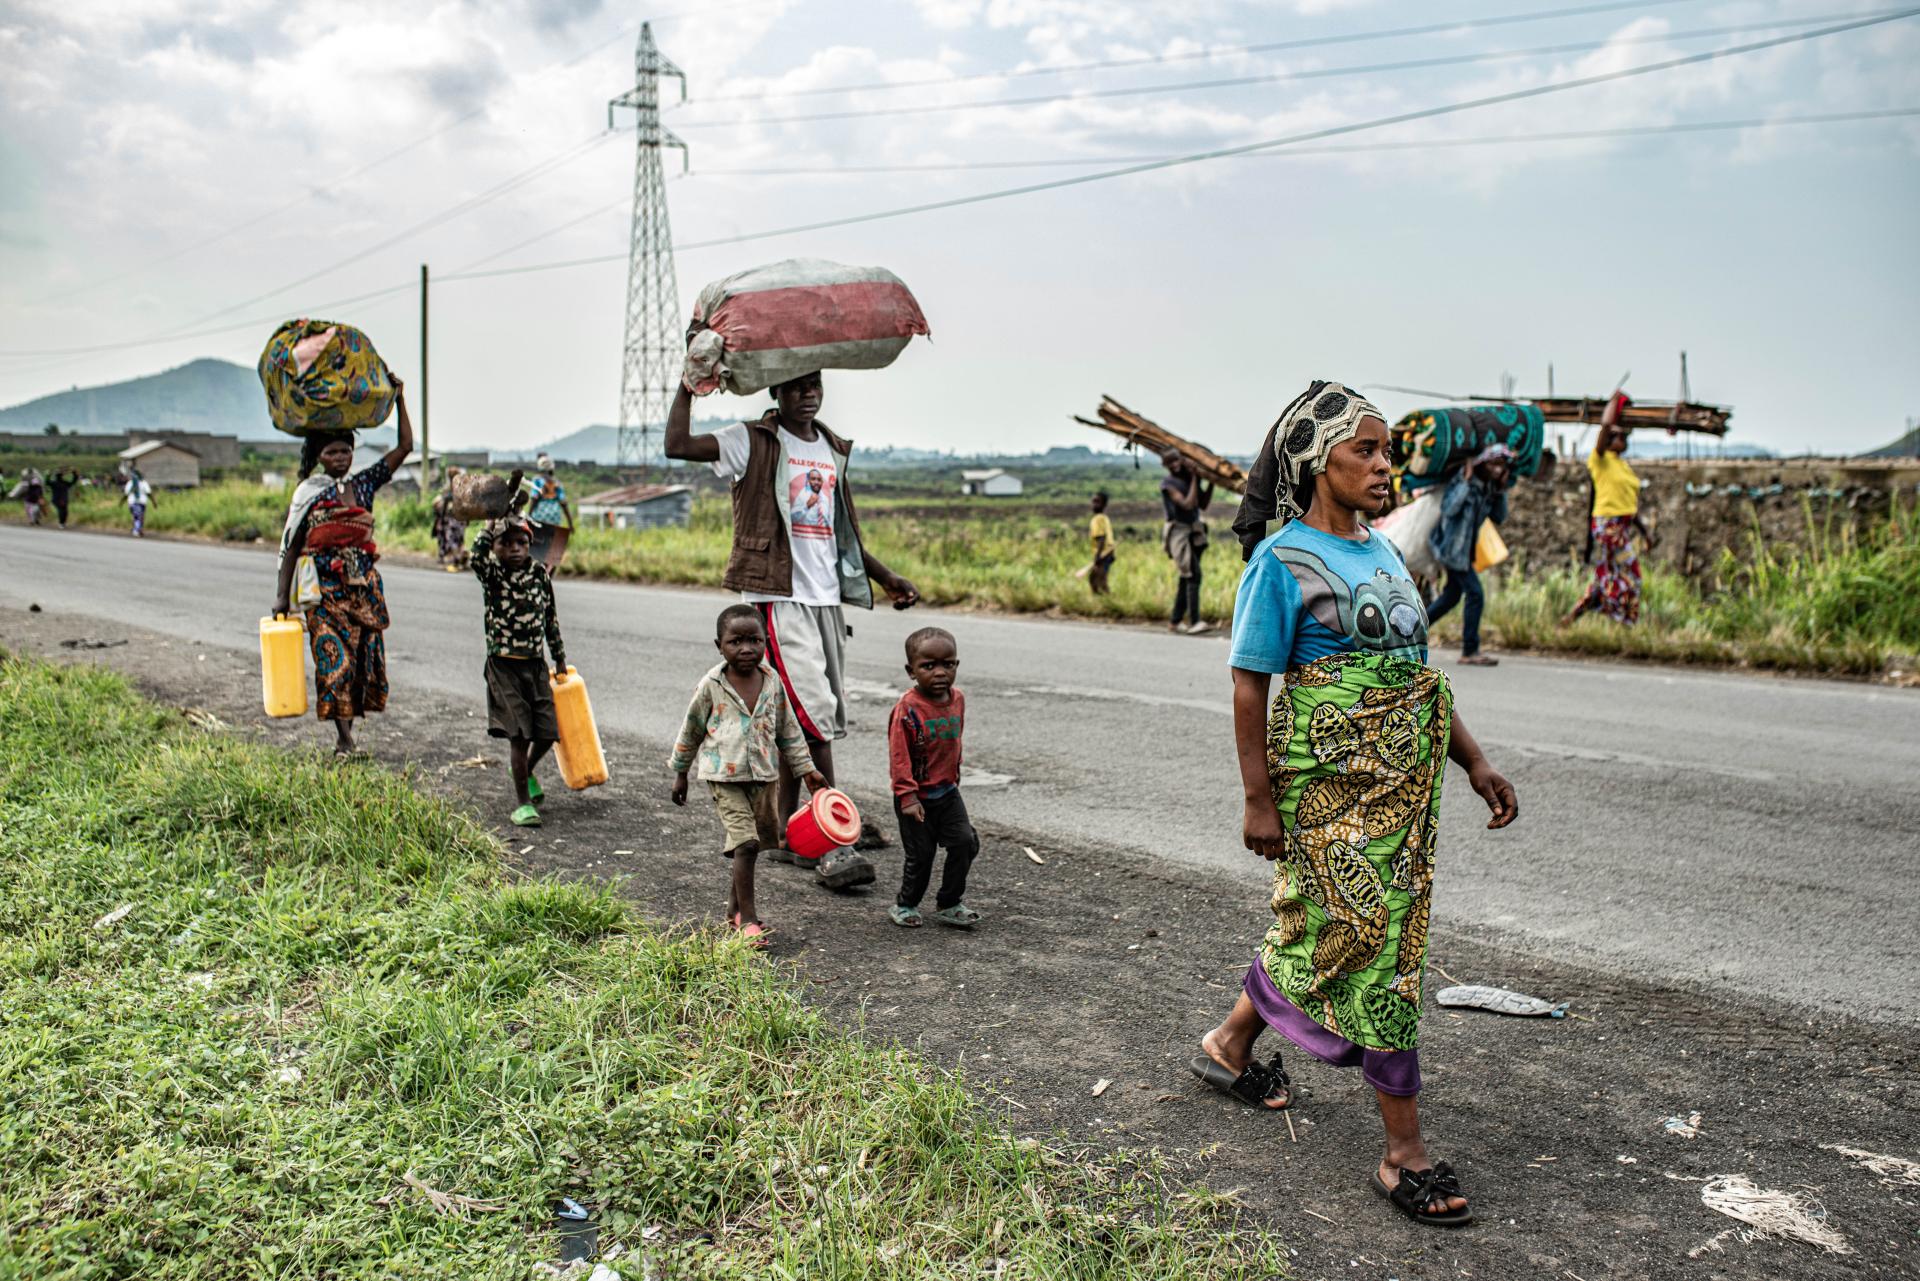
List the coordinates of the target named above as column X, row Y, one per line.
column 762, row 327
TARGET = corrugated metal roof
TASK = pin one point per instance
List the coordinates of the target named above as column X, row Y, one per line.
column 628, row 495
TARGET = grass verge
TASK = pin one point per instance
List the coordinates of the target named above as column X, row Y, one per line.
column 251, row 1006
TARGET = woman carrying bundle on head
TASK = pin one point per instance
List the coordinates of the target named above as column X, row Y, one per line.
column 1614, row 520
column 1342, row 779
column 331, row 521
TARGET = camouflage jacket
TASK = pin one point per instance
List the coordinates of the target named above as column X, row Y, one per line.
column 520, row 612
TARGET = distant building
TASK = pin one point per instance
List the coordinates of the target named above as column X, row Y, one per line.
column 990, row 482
column 164, row 464
column 637, row 507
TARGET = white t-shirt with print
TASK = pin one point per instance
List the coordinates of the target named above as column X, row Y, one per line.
column 807, row 499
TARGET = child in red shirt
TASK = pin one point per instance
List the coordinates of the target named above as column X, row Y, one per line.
column 923, row 757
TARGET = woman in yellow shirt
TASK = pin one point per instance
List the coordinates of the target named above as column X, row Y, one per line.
column 1615, row 590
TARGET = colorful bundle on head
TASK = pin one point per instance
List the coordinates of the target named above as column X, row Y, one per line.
column 320, row 375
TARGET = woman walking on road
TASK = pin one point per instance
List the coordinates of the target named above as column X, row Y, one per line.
column 1615, row 590
column 1478, row 494
column 1342, row 775
column 331, row 520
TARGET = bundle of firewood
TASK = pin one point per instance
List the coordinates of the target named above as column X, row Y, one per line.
column 1681, row 416
column 1144, row 433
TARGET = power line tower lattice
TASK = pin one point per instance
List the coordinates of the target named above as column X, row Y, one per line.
column 654, row 343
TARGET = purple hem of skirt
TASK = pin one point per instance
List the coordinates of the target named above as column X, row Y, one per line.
column 1395, row 1072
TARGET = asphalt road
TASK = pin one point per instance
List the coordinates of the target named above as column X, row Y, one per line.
column 1675, row 825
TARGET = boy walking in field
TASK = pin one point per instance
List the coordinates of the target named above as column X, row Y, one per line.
column 741, row 729
column 521, row 617
column 1100, row 530
column 923, row 757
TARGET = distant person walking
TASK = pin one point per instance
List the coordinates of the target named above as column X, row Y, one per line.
column 1615, row 590
column 1342, row 777
column 1184, row 496
column 139, row 494
column 449, row 531
column 33, row 492
column 60, row 489
column 1478, row 494
column 331, row 520
column 549, row 512
column 1100, row 532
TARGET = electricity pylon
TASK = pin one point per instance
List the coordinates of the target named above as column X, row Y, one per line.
column 654, row 344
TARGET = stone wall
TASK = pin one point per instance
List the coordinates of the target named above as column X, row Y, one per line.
column 1699, row 510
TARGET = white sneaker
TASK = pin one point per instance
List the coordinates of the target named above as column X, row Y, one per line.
column 1199, row 627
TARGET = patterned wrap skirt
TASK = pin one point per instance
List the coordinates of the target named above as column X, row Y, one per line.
column 1615, row 591
column 1356, row 754
column 349, row 652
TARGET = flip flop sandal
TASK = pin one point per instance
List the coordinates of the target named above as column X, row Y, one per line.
column 534, row 793
column 843, row 870
column 1419, row 1189
column 1254, row 1086
column 755, row 935
column 905, row 917
column 959, row 916
column 526, row 816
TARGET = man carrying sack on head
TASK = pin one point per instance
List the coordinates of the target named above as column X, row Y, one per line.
column 798, row 557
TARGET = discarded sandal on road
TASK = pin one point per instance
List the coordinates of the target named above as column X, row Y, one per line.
column 1256, row 1086
column 842, row 869
column 1420, row 1192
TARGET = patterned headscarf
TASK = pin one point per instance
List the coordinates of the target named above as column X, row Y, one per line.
column 1295, row 451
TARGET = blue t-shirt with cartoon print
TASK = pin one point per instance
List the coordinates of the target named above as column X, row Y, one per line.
column 1306, row 594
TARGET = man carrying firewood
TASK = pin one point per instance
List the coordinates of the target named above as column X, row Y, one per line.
column 798, row 558
column 1184, row 496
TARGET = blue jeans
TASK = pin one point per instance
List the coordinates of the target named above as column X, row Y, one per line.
column 1461, row 582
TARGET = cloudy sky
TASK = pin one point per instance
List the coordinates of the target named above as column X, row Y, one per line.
column 176, row 175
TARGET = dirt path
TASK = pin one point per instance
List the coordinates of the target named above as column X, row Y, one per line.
column 1093, row 967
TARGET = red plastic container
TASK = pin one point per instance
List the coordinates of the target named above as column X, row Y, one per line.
column 828, row 821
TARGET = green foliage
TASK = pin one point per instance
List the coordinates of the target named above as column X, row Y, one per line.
column 325, row 994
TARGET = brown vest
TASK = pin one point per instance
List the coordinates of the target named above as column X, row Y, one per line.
column 762, row 558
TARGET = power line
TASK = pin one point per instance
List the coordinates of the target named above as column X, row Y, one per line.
column 1196, row 55
column 501, row 188
column 626, row 32
column 1126, row 170
column 1276, row 77
column 1412, row 144
column 1221, row 153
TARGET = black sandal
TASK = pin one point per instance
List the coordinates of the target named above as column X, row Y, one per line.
column 1254, row 1086
column 1420, row 1189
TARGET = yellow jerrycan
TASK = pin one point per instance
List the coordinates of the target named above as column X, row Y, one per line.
column 582, row 763
column 283, row 666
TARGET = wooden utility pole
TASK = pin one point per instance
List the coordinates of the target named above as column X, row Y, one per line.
column 426, row 451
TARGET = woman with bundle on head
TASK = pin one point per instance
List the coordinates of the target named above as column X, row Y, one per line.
column 331, row 521
column 1613, row 521
column 1342, row 778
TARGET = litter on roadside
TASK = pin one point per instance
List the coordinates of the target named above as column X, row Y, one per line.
column 1499, row 1000
column 1891, row 1169
column 1771, row 1215
column 1686, row 1127
column 1100, row 1087
column 82, row 642
column 1035, row 857
column 114, row 917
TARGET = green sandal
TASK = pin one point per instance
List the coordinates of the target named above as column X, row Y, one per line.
column 534, row 793
column 906, row 917
column 526, row 816
column 959, row 916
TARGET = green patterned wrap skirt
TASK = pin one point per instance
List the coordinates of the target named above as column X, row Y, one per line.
column 1356, row 754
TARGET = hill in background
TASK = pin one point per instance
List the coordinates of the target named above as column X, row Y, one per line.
column 208, row 395
column 1908, row 446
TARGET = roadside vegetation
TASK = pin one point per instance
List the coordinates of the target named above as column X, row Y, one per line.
column 264, row 1017
column 1836, row 602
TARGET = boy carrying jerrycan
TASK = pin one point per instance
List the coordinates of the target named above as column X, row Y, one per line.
column 520, row 621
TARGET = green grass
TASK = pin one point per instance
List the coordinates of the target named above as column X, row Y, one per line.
column 1840, row 602
column 323, row 983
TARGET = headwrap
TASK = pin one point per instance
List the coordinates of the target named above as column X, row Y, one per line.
column 1494, row 453
column 1295, row 451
